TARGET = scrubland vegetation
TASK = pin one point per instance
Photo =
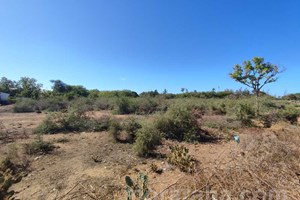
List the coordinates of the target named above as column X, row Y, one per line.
column 159, row 132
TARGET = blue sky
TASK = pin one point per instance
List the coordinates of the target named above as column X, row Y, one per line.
column 148, row 44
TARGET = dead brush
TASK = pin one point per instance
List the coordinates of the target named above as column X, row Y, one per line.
column 266, row 168
column 12, row 169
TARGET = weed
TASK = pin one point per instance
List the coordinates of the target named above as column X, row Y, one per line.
column 39, row 146
column 62, row 140
column 179, row 157
column 154, row 168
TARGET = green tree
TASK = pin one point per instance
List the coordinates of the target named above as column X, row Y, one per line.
column 8, row 86
column 29, row 88
column 59, row 86
column 256, row 74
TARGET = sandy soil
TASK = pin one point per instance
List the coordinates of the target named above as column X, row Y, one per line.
column 90, row 166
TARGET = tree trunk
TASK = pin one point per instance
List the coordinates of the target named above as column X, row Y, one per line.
column 257, row 103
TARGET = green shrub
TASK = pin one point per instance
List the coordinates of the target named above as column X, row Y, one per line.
column 102, row 103
column 31, row 105
column 245, row 114
column 52, row 104
column 291, row 97
column 179, row 123
column 81, row 105
column 145, row 106
column 148, row 137
column 101, row 124
column 39, row 146
column 74, row 121
column 25, row 105
column 290, row 114
column 131, row 126
column 140, row 106
column 115, row 129
column 124, row 106
column 48, row 126
column 269, row 118
column 219, row 110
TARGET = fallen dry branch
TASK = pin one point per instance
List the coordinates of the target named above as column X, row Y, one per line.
column 156, row 196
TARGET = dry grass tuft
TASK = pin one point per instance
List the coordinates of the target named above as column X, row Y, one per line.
column 266, row 167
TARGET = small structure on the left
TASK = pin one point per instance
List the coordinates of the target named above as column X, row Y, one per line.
column 3, row 97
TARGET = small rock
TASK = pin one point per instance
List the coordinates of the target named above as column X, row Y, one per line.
column 37, row 158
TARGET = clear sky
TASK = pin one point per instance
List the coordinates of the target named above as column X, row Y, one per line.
column 148, row 44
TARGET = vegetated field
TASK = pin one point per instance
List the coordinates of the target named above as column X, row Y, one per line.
column 80, row 161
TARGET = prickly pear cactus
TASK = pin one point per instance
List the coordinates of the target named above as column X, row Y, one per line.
column 180, row 157
column 139, row 189
column 7, row 179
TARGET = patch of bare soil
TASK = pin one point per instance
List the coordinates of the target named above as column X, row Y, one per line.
column 15, row 126
column 90, row 166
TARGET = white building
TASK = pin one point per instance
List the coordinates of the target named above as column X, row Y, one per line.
column 3, row 96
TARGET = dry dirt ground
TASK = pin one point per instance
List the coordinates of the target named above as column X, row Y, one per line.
column 89, row 165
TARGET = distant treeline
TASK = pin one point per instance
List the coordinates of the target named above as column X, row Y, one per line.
column 29, row 88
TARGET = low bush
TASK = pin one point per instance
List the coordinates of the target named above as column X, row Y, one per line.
column 143, row 106
column 81, row 105
column 52, row 104
column 131, row 126
column 102, row 103
column 290, row 114
column 180, row 123
column 140, row 106
column 48, row 126
column 245, row 113
column 115, row 129
column 219, row 110
column 124, row 106
column 221, row 123
column 101, row 124
column 148, row 137
column 39, row 146
column 74, row 121
column 268, row 119
column 25, row 105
